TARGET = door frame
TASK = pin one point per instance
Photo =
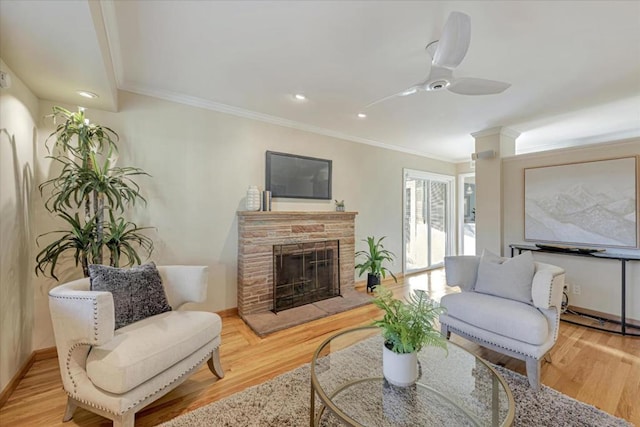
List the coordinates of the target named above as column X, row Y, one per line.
column 450, row 215
column 460, row 198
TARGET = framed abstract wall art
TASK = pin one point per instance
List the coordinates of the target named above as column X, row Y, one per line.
column 592, row 203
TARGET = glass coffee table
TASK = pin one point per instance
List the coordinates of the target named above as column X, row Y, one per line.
column 454, row 388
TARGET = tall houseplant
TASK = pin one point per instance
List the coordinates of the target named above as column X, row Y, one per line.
column 407, row 326
column 90, row 195
column 373, row 262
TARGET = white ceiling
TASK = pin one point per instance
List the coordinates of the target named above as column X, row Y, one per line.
column 574, row 66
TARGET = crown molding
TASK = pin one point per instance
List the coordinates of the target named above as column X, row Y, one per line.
column 194, row 101
column 109, row 20
column 500, row 130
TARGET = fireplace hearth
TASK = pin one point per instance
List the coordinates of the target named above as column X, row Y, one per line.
column 304, row 273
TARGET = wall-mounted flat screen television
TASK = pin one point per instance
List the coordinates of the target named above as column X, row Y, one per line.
column 299, row 177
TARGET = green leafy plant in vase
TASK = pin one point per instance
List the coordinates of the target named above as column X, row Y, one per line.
column 407, row 326
column 89, row 195
column 373, row 261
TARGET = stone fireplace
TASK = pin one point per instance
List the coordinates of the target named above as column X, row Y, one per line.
column 260, row 232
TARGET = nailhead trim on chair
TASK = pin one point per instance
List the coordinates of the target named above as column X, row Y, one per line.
column 145, row 397
column 461, row 333
column 95, row 334
column 174, row 380
column 95, row 311
column 557, row 328
column 73, row 347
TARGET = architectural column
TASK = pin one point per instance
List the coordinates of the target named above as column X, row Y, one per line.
column 491, row 146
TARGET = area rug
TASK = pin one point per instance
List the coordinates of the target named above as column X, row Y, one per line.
column 284, row 401
column 268, row 322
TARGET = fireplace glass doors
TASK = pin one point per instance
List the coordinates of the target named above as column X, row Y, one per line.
column 304, row 273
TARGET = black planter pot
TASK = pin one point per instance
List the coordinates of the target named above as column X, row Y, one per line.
column 372, row 282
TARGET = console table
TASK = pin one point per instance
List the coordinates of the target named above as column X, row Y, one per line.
column 623, row 258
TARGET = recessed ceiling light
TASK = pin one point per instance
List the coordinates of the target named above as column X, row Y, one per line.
column 362, row 115
column 87, row 94
column 299, row 97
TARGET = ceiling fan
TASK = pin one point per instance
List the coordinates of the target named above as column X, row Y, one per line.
column 447, row 53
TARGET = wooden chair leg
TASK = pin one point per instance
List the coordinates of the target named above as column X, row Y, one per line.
column 547, row 358
column 70, row 409
column 127, row 419
column 533, row 373
column 444, row 331
column 214, row 363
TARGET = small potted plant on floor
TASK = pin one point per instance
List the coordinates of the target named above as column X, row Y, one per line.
column 373, row 260
column 407, row 326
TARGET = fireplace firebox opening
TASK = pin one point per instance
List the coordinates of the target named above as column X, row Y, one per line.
column 304, row 273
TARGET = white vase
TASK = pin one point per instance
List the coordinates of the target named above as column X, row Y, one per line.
column 253, row 198
column 399, row 369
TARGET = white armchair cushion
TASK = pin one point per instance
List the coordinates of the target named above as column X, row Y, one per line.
column 142, row 350
column 498, row 315
column 509, row 278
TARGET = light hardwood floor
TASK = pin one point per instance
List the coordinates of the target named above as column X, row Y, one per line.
column 592, row 366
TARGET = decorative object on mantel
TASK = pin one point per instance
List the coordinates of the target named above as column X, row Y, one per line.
column 340, row 206
column 407, row 326
column 253, row 198
column 266, row 201
column 373, row 260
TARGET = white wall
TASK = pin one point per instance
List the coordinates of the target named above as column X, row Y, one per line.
column 202, row 163
column 18, row 113
column 599, row 279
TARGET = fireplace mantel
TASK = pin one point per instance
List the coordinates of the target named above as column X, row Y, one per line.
column 278, row 215
column 259, row 231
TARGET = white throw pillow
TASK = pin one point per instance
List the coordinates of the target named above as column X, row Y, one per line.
column 509, row 278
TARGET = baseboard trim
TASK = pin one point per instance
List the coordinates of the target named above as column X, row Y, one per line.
column 42, row 354
column 603, row 315
column 229, row 312
column 45, row 353
column 13, row 384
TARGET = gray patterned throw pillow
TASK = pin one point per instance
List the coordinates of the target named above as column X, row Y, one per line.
column 137, row 291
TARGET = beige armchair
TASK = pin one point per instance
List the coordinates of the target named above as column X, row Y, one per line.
column 117, row 373
column 523, row 326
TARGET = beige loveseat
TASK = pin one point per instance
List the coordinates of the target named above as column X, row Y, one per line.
column 117, row 373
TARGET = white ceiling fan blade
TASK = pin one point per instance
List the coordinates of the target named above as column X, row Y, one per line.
column 455, row 40
column 409, row 91
column 473, row 86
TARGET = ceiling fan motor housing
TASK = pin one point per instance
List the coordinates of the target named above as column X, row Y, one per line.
column 437, row 85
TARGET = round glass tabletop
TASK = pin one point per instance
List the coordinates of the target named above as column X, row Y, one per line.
column 454, row 387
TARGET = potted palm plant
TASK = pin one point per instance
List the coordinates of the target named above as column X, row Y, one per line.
column 373, row 262
column 90, row 195
column 407, row 326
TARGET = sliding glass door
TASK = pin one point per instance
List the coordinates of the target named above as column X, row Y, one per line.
column 427, row 219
